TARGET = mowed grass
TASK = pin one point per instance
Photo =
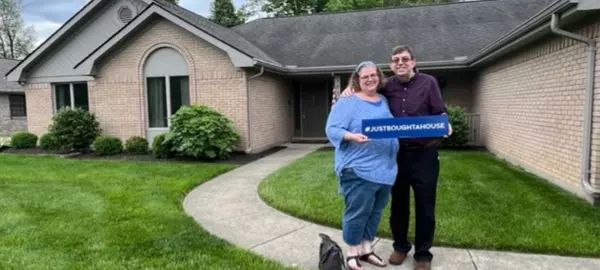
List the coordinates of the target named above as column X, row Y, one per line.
column 482, row 203
column 74, row 214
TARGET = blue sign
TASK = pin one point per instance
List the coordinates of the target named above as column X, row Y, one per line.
column 406, row 127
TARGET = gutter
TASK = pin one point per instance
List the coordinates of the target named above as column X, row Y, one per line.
column 587, row 107
column 249, row 145
column 293, row 70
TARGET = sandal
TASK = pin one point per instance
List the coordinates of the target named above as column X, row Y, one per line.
column 366, row 258
column 357, row 259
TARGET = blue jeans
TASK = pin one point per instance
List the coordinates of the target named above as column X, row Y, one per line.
column 364, row 203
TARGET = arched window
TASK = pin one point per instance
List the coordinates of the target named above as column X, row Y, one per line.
column 167, row 86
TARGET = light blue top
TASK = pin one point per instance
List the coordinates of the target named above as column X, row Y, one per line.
column 374, row 160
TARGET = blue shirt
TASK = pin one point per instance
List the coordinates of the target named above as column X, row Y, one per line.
column 373, row 161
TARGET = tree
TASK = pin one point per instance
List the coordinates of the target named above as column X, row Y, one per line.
column 223, row 13
column 176, row 2
column 16, row 38
column 285, row 7
column 343, row 5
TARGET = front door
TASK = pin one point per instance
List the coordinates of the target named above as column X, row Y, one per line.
column 314, row 109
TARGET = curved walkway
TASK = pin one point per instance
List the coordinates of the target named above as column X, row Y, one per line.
column 229, row 207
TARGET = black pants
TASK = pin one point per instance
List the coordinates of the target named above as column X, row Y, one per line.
column 419, row 169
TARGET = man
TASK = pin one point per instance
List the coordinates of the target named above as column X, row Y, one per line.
column 412, row 93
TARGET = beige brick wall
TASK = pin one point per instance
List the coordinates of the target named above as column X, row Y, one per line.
column 271, row 116
column 531, row 106
column 117, row 95
column 39, row 107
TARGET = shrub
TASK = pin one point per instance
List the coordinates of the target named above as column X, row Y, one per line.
column 49, row 141
column 160, row 148
column 22, row 139
column 107, row 145
column 460, row 129
column 136, row 145
column 75, row 129
column 202, row 132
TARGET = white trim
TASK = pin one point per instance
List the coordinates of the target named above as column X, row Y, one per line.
column 71, row 94
column 237, row 58
column 61, row 79
column 167, row 79
column 16, row 74
column 168, row 98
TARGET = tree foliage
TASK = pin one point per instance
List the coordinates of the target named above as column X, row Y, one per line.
column 16, row 38
column 224, row 13
column 345, row 5
column 299, row 7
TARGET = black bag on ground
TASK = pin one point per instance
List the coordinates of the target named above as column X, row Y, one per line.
column 331, row 256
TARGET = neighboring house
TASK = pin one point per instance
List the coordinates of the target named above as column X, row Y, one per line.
column 13, row 109
column 134, row 62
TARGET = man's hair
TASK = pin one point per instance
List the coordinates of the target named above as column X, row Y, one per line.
column 401, row 49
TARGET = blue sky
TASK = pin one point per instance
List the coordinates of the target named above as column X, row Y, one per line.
column 47, row 18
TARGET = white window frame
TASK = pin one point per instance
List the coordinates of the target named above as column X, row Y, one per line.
column 71, row 94
column 168, row 98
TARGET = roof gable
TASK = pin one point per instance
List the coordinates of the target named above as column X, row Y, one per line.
column 86, row 65
column 435, row 32
column 219, row 32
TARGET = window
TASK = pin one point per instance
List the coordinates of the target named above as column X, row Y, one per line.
column 160, row 108
column 167, row 86
column 74, row 95
column 18, row 107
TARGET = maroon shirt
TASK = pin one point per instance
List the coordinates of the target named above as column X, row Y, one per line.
column 418, row 97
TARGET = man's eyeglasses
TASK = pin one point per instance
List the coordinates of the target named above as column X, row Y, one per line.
column 404, row 60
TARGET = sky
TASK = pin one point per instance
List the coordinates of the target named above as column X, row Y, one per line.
column 47, row 18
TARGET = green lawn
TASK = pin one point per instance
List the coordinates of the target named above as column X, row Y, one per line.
column 74, row 214
column 482, row 203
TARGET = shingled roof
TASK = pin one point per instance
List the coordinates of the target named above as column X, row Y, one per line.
column 224, row 34
column 6, row 86
column 435, row 32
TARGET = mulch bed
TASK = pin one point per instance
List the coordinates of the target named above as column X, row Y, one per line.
column 237, row 158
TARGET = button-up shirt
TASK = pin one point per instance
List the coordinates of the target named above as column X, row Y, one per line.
column 419, row 96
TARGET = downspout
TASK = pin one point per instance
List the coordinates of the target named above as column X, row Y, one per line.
column 262, row 70
column 587, row 107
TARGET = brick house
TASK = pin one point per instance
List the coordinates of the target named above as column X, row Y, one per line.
column 134, row 62
column 13, row 110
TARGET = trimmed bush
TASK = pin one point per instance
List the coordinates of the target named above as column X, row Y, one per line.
column 460, row 129
column 107, row 145
column 48, row 141
column 75, row 129
column 160, row 148
column 202, row 132
column 22, row 140
column 136, row 145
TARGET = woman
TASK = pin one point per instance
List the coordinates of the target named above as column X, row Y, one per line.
column 366, row 169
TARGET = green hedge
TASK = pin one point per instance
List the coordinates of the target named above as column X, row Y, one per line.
column 22, row 140
column 202, row 132
column 136, row 145
column 460, row 128
column 107, row 145
column 75, row 129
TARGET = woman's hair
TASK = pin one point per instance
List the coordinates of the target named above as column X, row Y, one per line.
column 354, row 81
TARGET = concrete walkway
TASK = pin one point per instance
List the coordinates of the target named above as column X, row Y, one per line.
column 229, row 207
